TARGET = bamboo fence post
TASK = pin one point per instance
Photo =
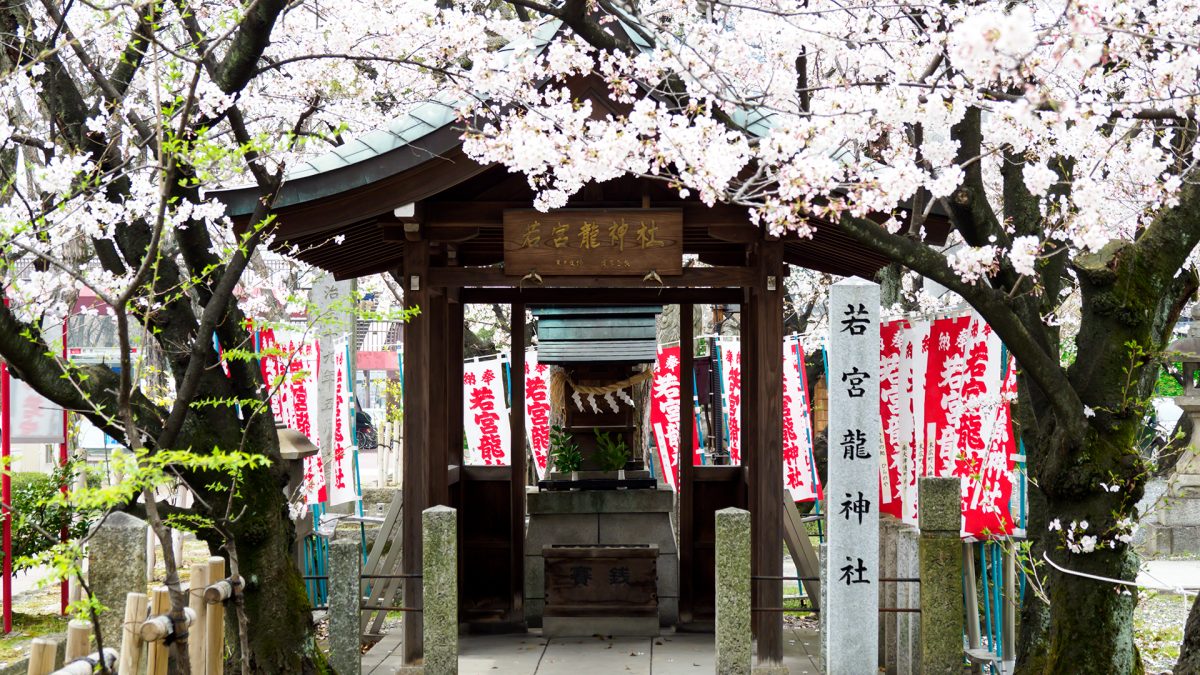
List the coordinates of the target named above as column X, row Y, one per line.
column 42, row 656
column 214, row 632
column 196, row 642
column 157, row 652
column 131, row 644
column 79, row 636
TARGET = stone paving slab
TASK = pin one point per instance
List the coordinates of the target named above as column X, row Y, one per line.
column 489, row 654
column 596, row 656
column 682, row 653
column 531, row 654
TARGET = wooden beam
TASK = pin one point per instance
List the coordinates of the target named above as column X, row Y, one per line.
column 692, row 277
column 416, row 375
column 518, row 454
column 686, row 493
column 401, row 232
column 491, row 214
column 766, row 467
column 632, row 296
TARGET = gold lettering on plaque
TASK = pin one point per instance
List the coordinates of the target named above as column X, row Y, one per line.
column 560, row 235
column 647, row 235
column 588, row 235
column 533, row 235
column 616, row 234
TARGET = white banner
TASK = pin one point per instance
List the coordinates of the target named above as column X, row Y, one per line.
column 33, row 418
column 537, row 411
column 291, row 367
column 799, row 476
column 485, row 414
column 343, row 486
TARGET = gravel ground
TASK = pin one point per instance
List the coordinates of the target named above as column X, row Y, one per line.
column 1158, row 625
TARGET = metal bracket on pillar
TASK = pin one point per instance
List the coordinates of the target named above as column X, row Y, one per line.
column 772, row 282
column 414, row 282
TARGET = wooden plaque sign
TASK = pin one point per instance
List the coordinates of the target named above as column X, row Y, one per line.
column 600, row 242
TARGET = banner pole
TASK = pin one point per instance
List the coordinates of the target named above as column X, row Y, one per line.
column 64, row 533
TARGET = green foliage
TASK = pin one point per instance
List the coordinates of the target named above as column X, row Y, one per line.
column 38, row 511
column 564, row 450
column 1167, row 385
column 611, row 451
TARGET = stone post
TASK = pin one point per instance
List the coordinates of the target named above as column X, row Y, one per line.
column 345, row 596
column 733, row 592
column 852, row 559
column 908, row 637
column 940, row 552
column 116, row 566
column 439, row 579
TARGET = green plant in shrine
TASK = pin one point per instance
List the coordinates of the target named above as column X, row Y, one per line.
column 564, row 450
column 611, row 451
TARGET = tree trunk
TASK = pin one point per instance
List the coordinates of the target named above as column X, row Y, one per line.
column 1189, row 652
column 281, row 636
column 1092, row 631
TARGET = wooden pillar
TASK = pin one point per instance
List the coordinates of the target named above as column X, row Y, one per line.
column 686, row 494
column 766, row 467
column 517, row 426
column 454, row 377
column 439, row 400
column 416, row 435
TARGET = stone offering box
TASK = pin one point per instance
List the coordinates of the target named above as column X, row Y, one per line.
column 625, row 519
column 600, row 590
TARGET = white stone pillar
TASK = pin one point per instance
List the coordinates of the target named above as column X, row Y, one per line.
column 851, row 638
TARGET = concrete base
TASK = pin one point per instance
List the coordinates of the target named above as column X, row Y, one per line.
column 607, row 626
column 611, row 517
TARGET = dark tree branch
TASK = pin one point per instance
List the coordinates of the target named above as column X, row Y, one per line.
column 1041, row 367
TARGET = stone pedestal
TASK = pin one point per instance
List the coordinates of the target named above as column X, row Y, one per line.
column 439, row 569
column 733, row 592
column 601, row 517
column 941, row 564
column 117, row 566
column 345, row 596
column 1175, row 525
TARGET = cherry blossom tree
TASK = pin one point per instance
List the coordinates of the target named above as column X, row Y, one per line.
column 1058, row 138
column 116, row 118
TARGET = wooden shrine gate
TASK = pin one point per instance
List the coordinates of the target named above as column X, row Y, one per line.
column 452, row 232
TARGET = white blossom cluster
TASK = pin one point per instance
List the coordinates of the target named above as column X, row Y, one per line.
column 1061, row 84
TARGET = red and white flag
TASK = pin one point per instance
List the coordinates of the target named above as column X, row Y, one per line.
column 799, row 475
column 731, row 391
column 344, row 487
column 537, row 411
column 291, row 367
column 485, row 414
column 987, row 483
column 664, row 412
column 893, row 389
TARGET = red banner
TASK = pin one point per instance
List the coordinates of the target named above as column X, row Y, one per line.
column 537, row 411
column 987, row 476
column 893, row 388
column 664, row 413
